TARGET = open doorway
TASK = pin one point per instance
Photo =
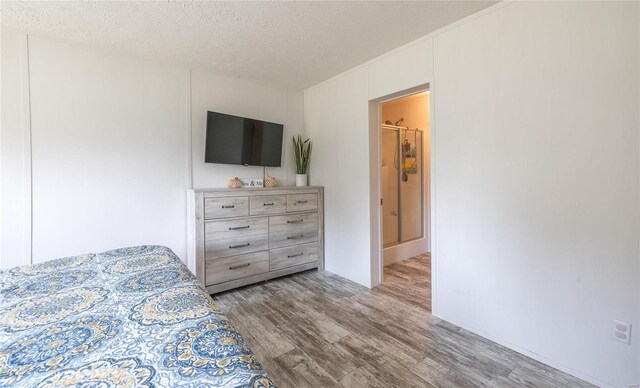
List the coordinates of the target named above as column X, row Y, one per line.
column 404, row 190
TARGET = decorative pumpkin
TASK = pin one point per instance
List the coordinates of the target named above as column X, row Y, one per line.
column 270, row 181
column 234, row 183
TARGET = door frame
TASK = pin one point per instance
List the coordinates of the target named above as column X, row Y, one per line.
column 375, row 180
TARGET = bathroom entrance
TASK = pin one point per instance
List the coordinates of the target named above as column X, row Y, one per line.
column 404, row 192
column 402, row 167
column 404, row 149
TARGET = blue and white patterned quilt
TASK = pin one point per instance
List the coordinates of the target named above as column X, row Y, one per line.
column 128, row 317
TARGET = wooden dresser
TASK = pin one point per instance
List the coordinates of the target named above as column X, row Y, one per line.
column 243, row 236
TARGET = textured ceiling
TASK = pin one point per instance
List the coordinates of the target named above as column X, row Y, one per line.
column 292, row 44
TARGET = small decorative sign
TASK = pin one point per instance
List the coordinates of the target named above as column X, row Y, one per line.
column 252, row 182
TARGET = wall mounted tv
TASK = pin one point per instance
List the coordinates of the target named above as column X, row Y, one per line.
column 240, row 140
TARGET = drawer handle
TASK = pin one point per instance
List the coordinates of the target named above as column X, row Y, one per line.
column 268, row 204
column 228, row 206
column 296, row 255
column 305, row 201
column 239, row 266
column 295, row 222
column 239, row 227
column 295, row 237
column 239, row 246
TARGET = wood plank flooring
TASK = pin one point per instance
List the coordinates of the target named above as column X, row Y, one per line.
column 410, row 281
column 316, row 329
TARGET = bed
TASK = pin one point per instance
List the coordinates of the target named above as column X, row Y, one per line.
column 128, row 317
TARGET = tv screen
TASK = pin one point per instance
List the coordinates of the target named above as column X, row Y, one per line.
column 240, row 140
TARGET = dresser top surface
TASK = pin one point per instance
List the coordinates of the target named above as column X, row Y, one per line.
column 258, row 189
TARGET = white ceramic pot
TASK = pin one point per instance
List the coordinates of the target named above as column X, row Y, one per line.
column 301, row 179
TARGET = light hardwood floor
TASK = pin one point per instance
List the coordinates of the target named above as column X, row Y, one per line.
column 316, row 329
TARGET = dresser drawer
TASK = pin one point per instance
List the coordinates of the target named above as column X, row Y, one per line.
column 267, row 204
column 293, row 222
column 225, row 229
column 236, row 267
column 293, row 229
column 293, row 255
column 302, row 202
column 282, row 239
column 226, row 207
column 216, row 249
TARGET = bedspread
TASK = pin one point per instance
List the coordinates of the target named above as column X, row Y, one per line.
column 128, row 317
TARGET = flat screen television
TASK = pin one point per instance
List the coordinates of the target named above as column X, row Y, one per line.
column 240, row 140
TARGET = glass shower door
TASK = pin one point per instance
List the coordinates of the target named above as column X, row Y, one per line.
column 411, row 199
column 390, row 186
column 401, row 179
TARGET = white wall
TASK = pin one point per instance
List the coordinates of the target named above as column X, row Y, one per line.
column 336, row 114
column 110, row 151
column 14, row 135
column 245, row 98
column 537, row 167
column 536, row 161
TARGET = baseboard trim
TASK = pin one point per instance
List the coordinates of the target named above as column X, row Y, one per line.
column 547, row 361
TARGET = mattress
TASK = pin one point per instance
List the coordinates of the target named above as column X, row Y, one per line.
column 128, row 317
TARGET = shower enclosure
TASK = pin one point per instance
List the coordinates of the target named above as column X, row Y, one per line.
column 402, row 195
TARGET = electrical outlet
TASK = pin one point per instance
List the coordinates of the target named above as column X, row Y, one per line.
column 622, row 331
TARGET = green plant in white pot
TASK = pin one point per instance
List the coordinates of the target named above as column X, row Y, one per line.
column 302, row 150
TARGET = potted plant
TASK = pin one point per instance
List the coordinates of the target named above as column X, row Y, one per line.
column 302, row 150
